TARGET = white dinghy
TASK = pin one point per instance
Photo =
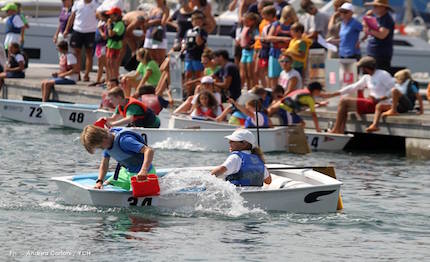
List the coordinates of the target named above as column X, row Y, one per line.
column 317, row 141
column 79, row 116
column 23, row 111
column 271, row 140
column 296, row 190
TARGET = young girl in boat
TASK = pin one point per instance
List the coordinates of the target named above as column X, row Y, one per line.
column 68, row 74
column 126, row 147
column 245, row 164
column 251, row 116
column 206, row 106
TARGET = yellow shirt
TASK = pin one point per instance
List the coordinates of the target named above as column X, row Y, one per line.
column 296, row 45
column 263, row 23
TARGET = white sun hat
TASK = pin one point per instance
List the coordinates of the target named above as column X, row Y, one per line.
column 241, row 134
column 207, row 80
column 348, row 7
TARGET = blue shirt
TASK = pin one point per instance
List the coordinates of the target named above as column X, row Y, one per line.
column 349, row 33
column 382, row 47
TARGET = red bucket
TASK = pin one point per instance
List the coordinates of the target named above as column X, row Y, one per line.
column 147, row 187
column 100, row 123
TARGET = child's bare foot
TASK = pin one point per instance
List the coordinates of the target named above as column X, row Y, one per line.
column 390, row 112
column 372, row 128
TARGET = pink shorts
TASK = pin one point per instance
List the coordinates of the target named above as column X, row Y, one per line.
column 100, row 50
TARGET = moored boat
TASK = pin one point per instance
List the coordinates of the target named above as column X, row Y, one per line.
column 316, row 140
column 271, row 140
column 23, row 111
column 292, row 190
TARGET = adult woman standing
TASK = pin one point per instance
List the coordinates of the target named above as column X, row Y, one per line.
column 334, row 27
column 380, row 45
column 182, row 18
column 349, row 33
column 65, row 13
column 155, row 38
column 205, row 7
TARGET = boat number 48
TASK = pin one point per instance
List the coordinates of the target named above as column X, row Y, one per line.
column 76, row 117
column 134, row 201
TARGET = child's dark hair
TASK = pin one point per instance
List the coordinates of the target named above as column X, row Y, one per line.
column 15, row 45
column 212, row 102
column 256, row 104
column 259, row 90
column 298, row 27
column 314, row 86
column 198, row 15
column 63, row 46
column 254, row 17
column 146, row 90
column 223, row 53
column 116, row 92
column 269, row 10
column 278, row 89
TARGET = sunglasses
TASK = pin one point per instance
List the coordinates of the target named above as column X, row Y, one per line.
column 285, row 61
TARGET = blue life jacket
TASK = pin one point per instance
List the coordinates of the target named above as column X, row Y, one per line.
column 251, row 172
column 250, row 124
column 130, row 160
column 10, row 27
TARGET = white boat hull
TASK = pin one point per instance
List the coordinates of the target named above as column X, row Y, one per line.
column 78, row 116
column 317, row 141
column 297, row 191
column 271, row 140
column 23, row 111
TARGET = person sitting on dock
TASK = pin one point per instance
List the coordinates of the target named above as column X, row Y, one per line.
column 15, row 64
column 245, row 164
column 126, row 147
column 147, row 73
column 404, row 95
column 130, row 111
column 379, row 82
column 296, row 101
column 14, row 26
column 68, row 73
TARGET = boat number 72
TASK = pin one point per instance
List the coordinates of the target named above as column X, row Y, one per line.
column 133, row 201
column 76, row 117
column 35, row 112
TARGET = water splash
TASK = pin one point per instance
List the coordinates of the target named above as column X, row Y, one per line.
column 214, row 196
column 170, row 144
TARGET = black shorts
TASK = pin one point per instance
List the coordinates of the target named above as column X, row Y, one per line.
column 404, row 105
column 237, row 51
column 79, row 40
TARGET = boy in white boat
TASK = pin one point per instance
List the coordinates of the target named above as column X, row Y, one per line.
column 245, row 164
column 126, row 147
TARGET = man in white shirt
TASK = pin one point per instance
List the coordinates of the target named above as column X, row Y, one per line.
column 379, row 83
column 84, row 23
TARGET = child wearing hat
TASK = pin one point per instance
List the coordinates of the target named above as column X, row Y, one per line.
column 14, row 25
column 245, row 164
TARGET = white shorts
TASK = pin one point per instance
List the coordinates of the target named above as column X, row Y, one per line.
column 152, row 44
column 12, row 38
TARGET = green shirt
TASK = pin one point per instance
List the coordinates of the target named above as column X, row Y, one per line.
column 209, row 71
column 156, row 74
column 298, row 64
column 132, row 110
column 119, row 29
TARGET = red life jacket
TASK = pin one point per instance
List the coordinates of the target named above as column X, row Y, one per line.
column 152, row 102
column 208, row 113
column 132, row 101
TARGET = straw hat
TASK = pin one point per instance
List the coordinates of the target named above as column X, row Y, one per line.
column 367, row 61
column 384, row 3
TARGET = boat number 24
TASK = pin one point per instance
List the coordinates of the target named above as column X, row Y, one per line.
column 134, row 201
column 76, row 117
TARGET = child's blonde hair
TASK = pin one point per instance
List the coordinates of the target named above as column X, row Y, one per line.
column 403, row 75
column 93, row 137
column 288, row 12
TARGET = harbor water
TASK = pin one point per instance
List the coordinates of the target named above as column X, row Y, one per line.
column 385, row 218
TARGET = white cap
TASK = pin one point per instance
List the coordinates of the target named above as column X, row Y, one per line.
column 207, row 80
column 348, row 7
column 241, row 134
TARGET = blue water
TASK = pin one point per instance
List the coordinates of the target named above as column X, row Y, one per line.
column 386, row 215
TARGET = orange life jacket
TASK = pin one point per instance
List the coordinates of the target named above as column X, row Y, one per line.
column 208, row 113
column 132, row 101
